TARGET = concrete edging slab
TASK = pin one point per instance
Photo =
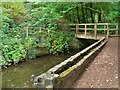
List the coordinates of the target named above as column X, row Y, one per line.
column 63, row 74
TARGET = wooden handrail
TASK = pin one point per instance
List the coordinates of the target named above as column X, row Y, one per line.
column 96, row 23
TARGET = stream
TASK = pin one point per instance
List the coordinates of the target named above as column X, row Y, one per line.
column 20, row 76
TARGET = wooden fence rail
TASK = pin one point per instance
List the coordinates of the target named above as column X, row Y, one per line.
column 29, row 28
column 95, row 27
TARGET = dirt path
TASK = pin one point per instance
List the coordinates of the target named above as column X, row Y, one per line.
column 103, row 71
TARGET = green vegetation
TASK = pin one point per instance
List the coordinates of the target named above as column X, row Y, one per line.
column 17, row 43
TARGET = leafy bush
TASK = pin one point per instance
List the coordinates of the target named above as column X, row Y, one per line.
column 12, row 51
column 57, row 42
column 15, row 50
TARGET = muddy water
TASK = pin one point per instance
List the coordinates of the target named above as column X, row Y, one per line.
column 20, row 76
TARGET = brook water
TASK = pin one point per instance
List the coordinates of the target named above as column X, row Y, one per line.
column 20, row 76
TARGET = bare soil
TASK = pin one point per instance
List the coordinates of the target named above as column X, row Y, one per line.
column 103, row 71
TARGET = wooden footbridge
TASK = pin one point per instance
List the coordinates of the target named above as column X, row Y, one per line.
column 95, row 30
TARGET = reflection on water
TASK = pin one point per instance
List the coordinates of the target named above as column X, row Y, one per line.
column 20, row 76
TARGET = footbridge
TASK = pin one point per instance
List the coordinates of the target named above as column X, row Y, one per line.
column 93, row 67
column 94, row 30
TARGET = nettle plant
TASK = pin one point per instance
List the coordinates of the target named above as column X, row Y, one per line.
column 15, row 50
column 12, row 51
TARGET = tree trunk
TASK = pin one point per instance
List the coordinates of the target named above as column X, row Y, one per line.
column 91, row 13
column 70, row 17
column 83, row 16
column 99, row 17
column 78, row 17
column 86, row 16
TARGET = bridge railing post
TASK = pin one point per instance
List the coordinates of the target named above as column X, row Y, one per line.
column 95, row 30
column 77, row 26
column 107, row 31
column 26, row 29
column 117, row 29
column 104, row 28
column 85, row 30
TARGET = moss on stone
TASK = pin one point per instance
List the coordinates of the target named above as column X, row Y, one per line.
column 67, row 71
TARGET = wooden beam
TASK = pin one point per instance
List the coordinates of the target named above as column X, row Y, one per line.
column 117, row 29
column 107, row 31
column 89, row 29
column 95, row 30
column 26, row 29
column 85, row 30
column 96, row 23
column 77, row 29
